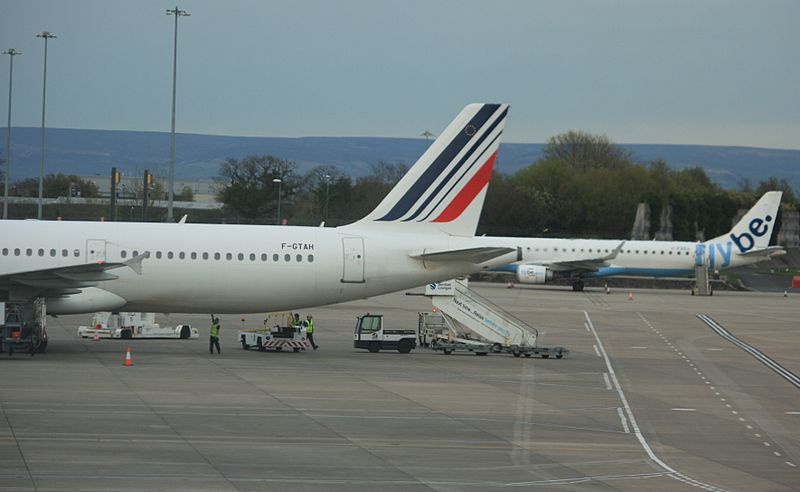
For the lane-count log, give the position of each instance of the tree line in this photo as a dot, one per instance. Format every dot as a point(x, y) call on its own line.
point(583, 186)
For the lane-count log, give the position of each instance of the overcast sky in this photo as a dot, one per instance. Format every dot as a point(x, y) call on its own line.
point(675, 71)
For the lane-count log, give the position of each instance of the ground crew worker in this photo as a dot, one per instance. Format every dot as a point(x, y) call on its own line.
point(214, 338)
point(297, 319)
point(309, 324)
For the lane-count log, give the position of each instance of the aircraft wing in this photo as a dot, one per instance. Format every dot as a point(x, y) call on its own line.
point(765, 252)
point(582, 264)
point(65, 280)
point(468, 255)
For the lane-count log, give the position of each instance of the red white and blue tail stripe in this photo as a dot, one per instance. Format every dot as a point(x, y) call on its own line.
point(446, 187)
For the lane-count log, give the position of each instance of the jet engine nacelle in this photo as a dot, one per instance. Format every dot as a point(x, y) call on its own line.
point(89, 300)
point(533, 274)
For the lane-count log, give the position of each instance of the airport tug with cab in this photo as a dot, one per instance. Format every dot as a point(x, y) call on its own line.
point(371, 334)
point(279, 332)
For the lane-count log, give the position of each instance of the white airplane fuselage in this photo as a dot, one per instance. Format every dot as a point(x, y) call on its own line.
point(228, 268)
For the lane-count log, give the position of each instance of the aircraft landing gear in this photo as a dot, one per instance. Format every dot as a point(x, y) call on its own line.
point(577, 285)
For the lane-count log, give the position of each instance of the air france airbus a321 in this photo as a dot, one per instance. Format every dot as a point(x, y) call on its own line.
point(545, 259)
point(421, 232)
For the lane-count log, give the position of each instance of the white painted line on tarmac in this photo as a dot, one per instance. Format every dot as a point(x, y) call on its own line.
point(716, 349)
point(767, 444)
point(596, 351)
point(776, 453)
point(586, 325)
point(608, 381)
point(684, 409)
point(623, 420)
point(639, 348)
point(673, 473)
point(749, 427)
point(792, 413)
point(757, 435)
point(790, 464)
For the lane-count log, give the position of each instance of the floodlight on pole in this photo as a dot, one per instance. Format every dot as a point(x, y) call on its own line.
point(11, 52)
point(177, 13)
point(327, 192)
point(45, 35)
point(278, 218)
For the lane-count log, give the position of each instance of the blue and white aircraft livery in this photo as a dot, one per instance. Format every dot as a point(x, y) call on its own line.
point(423, 231)
point(545, 259)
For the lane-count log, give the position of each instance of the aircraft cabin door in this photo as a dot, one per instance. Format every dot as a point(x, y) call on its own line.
point(95, 250)
point(353, 249)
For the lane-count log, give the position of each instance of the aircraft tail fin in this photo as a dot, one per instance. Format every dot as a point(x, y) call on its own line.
point(445, 189)
point(755, 230)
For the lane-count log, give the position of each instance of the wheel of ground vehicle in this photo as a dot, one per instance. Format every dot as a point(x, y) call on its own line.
point(404, 346)
point(278, 349)
point(517, 354)
point(186, 332)
point(260, 345)
point(545, 356)
point(374, 347)
point(295, 349)
point(447, 351)
point(126, 334)
point(245, 345)
point(527, 355)
point(559, 355)
point(481, 353)
point(497, 348)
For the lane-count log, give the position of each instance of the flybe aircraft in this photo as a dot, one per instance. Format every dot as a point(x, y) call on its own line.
point(546, 259)
point(422, 231)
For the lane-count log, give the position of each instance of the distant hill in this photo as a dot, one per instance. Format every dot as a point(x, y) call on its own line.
point(91, 152)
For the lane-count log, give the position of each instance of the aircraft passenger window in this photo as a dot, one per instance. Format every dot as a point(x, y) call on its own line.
point(5, 251)
point(581, 250)
point(217, 256)
point(637, 251)
point(670, 252)
point(29, 252)
point(16, 251)
point(687, 253)
point(52, 252)
point(64, 252)
point(135, 253)
point(529, 248)
point(182, 255)
point(645, 251)
point(252, 257)
point(263, 257)
point(299, 258)
point(76, 253)
point(275, 257)
point(228, 256)
point(590, 250)
point(170, 255)
point(41, 252)
point(205, 256)
point(662, 252)
point(628, 251)
point(158, 255)
point(240, 256)
point(194, 255)
point(287, 257)
point(311, 258)
point(555, 249)
point(123, 253)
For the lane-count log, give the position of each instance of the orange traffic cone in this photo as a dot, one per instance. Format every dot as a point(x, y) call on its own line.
point(128, 359)
point(630, 296)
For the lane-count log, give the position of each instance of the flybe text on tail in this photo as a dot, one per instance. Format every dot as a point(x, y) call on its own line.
point(753, 232)
point(756, 228)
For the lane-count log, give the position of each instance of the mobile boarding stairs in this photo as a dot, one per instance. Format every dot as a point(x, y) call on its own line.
point(497, 330)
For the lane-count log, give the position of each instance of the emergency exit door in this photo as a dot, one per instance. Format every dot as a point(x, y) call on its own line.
point(95, 250)
point(353, 249)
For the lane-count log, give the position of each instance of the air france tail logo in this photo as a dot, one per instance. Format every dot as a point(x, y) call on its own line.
point(757, 227)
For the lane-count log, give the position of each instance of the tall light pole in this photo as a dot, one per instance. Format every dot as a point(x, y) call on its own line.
point(177, 13)
point(278, 218)
point(45, 35)
point(11, 52)
point(327, 192)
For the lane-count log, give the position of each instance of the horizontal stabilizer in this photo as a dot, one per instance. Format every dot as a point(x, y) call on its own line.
point(469, 255)
point(765, 252)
